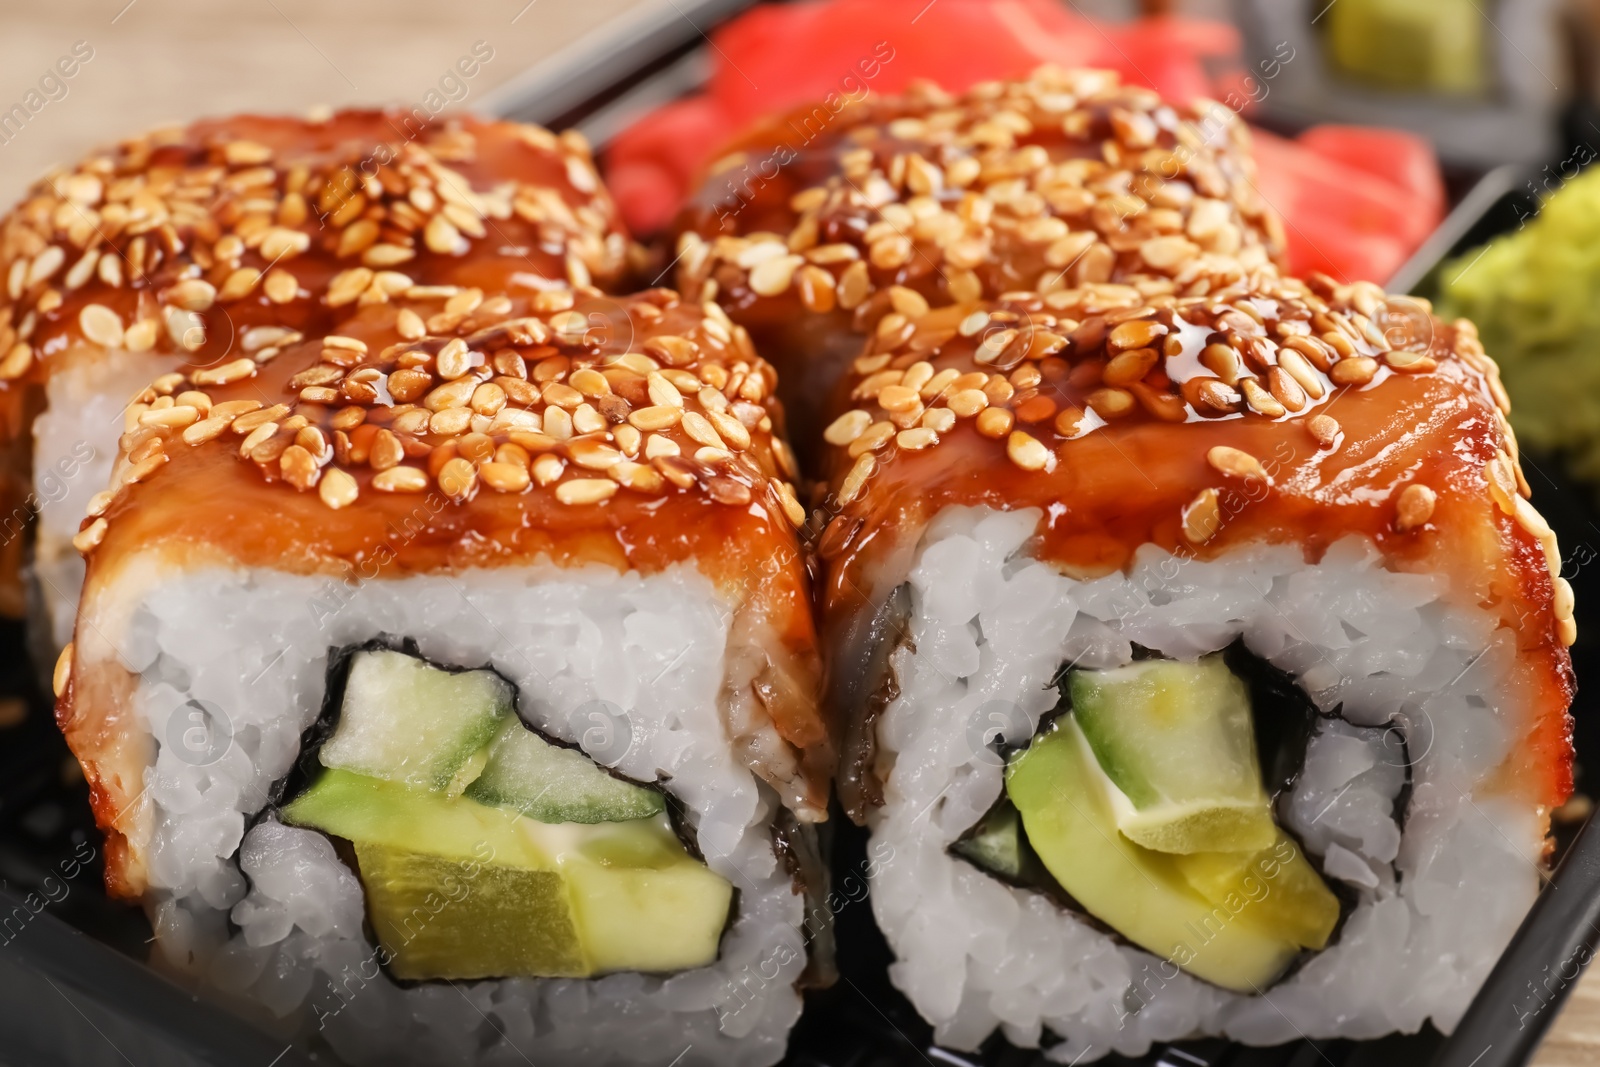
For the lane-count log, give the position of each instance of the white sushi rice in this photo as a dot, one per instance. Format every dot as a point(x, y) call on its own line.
point(74, 448)
point(989, 629)
point(251, 647)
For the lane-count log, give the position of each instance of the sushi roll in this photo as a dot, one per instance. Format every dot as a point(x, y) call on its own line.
point(194, 248)
point(818, 225)
point(450, 695)
point(1200, 659)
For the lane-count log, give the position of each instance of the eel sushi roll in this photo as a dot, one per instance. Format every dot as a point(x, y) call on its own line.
point(818, 225)
point(450, 694)
point(1202, 662)
point(204, 248)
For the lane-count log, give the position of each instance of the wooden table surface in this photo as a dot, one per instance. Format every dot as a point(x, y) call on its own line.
point(155, 61)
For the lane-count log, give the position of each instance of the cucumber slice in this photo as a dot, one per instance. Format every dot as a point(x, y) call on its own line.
point(404, 720)
point(1177, 740)
point(549, 783)
point(995, 844)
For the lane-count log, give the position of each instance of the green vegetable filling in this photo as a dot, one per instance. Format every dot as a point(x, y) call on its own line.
point(487, 851)
point(1145, 807)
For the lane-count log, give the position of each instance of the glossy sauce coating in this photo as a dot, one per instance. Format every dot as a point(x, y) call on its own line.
point(1273, 412)
point(1067, 178)
point(508, 431)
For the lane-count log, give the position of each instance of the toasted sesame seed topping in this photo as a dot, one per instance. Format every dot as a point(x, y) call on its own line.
point(1325, 429)
point(63, 671)
point(1202, 517)
point(1083, 360)
point(1414, 507)
point(201, 217)
point(1001, 182)
point(1236, 463)
point(502, 400)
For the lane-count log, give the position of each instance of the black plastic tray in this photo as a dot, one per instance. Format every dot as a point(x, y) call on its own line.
point(73, 989)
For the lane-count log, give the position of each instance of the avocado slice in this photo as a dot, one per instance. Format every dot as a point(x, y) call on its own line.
point(404, 720)
point(1068, 815)
point(439, 917)
point(459, 889)
point(1280, 888)
point(543, 781)
point(1177, 741)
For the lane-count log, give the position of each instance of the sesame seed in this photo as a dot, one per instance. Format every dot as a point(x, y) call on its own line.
point(299, 468)
point(453, 360)
point(505, 477)
point(280, 243)
point(774, 276)
point(1224, 362)
point(1131, 366)
point(45, 265)
point(968, 402)
point(995, 422)
point(237, 370)
point(87, 539)
point(174, 417)
point(280, 286)
point(1139, 333)
point(387, 255)
point(791, 506)
point(63, 671)
point(856, 479)
point(457, 478)
point(701, 430)
point(1110, 403)
point(245, 153)
point(1409, 362)
point(1026, 451)
point(1353, 370)
point(337, 489)
point(898, 398)
point(854, 286)
point(1260, 400)
point(1562, 602)
point(1202, 517)
point(586, 419)
point(16, 362)
point(400, 480)
point(676, 470)
point(1414, 507)
point(101, 325)
point(586, 491)
point(847, 427)
point(732, 430)
point(193, 294)
point(1295, 365)
point(1325, 429)
point(450, 421)
point(595, 455)
point(1503, 487)
point(1167, 254)
point(1285, 389)
point(1235, 463)
point(872, 438)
